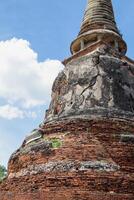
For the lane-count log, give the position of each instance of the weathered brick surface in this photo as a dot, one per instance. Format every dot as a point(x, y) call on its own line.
point(82, 140)
point(68, 195)
point(96, 141)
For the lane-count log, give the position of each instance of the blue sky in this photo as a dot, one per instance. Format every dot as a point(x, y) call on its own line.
point(42, 32)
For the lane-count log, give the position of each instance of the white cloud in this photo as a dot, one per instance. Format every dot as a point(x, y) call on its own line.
point(24, 81)
point(12, 112)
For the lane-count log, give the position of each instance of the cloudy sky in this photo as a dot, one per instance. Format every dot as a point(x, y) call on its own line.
point(34, 37)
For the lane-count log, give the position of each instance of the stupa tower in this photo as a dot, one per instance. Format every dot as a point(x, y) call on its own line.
point(98, 25)
point(84, 149)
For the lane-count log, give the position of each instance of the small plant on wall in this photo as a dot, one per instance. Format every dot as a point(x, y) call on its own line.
point(56, 142)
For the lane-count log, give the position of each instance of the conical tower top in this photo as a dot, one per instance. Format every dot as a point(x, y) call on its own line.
point(98, 14)
point(98, 24)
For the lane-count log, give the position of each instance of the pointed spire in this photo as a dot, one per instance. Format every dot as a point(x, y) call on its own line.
point(98, 13)
point(98, 24)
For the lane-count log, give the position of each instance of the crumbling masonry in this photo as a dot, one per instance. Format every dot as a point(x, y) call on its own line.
point(84, 149)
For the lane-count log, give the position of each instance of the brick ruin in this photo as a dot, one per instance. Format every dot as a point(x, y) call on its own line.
point(84, 149)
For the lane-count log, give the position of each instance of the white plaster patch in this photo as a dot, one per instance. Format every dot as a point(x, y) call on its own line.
point(68, 96)
point(97, 88)
point(78, 89)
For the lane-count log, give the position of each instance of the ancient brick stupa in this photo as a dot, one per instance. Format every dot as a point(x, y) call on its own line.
point(84, 149)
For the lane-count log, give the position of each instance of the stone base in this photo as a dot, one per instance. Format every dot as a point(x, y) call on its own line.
point(75, 159)
point(66, 195)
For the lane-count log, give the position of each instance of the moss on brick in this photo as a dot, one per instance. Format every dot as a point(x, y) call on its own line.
point(56, 142)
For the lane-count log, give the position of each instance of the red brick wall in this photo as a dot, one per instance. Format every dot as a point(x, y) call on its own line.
point(82, 140)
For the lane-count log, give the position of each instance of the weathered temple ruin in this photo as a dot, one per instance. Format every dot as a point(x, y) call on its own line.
point(84, 149)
